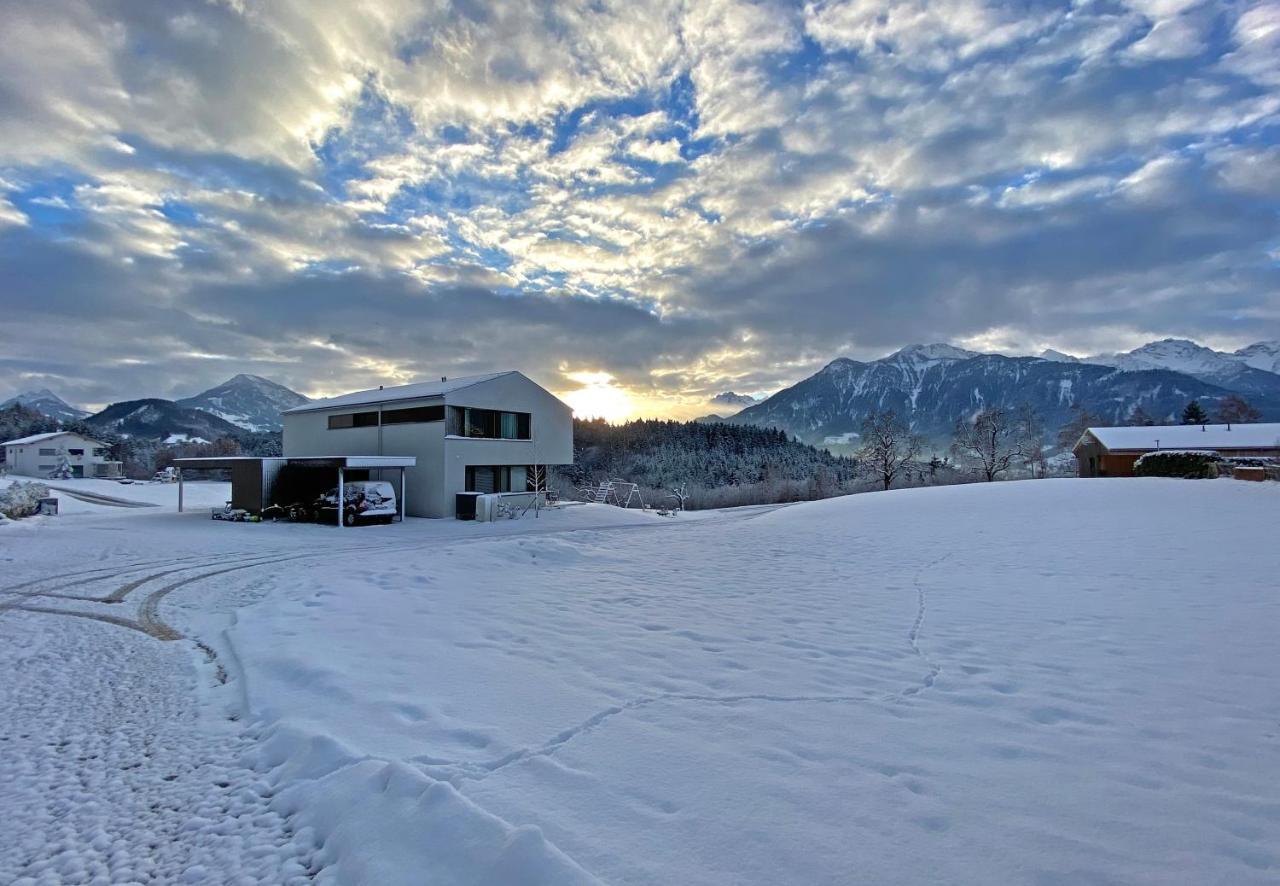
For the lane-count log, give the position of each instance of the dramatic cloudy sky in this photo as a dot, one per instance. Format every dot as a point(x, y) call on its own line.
point(657, 201)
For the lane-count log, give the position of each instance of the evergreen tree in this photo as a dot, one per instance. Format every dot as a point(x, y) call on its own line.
point(1194, 414)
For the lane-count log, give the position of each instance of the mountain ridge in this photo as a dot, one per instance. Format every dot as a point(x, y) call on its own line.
point(934, 385)
point(250, 402)
point(48, 403)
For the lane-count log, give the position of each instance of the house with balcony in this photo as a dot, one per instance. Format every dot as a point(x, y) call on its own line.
point(59, 454)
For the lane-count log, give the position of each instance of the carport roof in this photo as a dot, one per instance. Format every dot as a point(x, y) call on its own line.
point(310, 461)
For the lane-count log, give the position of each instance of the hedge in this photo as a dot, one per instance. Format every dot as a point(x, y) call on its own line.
point(1192, 464)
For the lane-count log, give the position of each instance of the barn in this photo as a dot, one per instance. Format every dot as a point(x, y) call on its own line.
point(1112, 452)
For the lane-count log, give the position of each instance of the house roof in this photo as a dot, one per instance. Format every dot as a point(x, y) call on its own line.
point(417, 391)
point(1146, 439)
point(36, 438)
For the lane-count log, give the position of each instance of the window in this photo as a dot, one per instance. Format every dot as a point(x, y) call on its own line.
point(353, 420)
point(48, 452)
point(488, 424)
point(99, 451)
point(497, 478)
point(75, 451)
point(412, 415)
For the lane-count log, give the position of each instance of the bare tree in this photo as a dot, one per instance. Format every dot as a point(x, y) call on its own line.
point(887, 445)
point(1031, 437)
point(1081, 419)
point(993, 439)
point(1235, 409)
point(1139, 418)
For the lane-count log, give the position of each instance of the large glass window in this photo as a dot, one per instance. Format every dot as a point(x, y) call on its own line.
point(489, 424)
point(48, 452)
point(412, 415)
point(353, 420)
point(497, 478)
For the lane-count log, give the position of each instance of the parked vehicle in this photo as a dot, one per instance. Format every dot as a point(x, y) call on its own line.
point(364, 501)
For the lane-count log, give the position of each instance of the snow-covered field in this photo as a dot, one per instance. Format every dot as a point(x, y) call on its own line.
point(1051, 682)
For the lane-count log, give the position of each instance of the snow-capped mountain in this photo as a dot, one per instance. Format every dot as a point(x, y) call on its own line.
point(933, 387)
point(247, 401)
point(1251, 370)
point(1264, 355)
point(47, 402)
point(729, 398)
point(161, 419)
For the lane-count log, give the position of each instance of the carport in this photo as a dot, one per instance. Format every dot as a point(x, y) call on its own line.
point(254, 479)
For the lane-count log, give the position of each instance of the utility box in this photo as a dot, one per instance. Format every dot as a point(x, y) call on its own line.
point(47, 507)
point(465, 505)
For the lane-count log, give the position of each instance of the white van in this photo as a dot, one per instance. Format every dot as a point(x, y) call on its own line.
point(366, 501)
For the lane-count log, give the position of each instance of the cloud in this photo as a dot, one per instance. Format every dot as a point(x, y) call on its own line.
point(687, 197)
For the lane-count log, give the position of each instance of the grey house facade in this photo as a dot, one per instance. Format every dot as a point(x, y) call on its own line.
point(484, 433)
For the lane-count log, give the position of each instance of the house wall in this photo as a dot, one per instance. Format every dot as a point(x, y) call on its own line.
point(550, 428)
point(442, 461)
point(1089, 454)
point(27, 461)
point(308, 434)
point(1121, 464)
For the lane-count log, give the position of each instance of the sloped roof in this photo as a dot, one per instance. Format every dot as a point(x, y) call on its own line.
point(417, 391)
point(1147, 439)
point(36, 438)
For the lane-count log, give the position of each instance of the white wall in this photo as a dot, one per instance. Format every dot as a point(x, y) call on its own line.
point(27, 460)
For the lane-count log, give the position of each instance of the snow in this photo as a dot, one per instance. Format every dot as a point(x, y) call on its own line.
point(1263, 355)
point(415, 391)
point(198, 495)
point(1059, 681)
point(174, 439)
point(1235, 436)
point(36, 438)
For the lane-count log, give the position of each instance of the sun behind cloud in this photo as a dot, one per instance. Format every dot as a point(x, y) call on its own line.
point(598, 397)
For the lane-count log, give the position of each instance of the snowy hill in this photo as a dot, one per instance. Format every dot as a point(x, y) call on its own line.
point(250, 402)
point(47, 402)
point(1043, 682)
point(934, 388)
point(160, 419)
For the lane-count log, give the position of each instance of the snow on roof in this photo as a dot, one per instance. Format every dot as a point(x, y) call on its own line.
point(36, 438)
point(415, 391)
point(1235, 436)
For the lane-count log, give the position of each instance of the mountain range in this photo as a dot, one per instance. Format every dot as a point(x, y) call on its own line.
point(245, 403)
point(47, 402)
point(934, 385)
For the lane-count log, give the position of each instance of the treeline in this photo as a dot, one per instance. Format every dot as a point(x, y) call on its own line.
point(708, 464)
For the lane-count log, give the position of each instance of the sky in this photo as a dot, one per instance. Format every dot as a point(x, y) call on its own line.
point(640, 205)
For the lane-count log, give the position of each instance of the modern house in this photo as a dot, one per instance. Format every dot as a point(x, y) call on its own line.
point(58, 453)
point(482, 433)
point(1111, 452)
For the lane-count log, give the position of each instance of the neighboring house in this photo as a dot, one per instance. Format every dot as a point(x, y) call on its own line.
point(483, 433)
point(43, 455)
point(1111, 452)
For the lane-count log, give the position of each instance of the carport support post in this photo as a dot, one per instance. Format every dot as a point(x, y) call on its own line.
point(342, 498)
point(402, 495)
point(179, 490)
